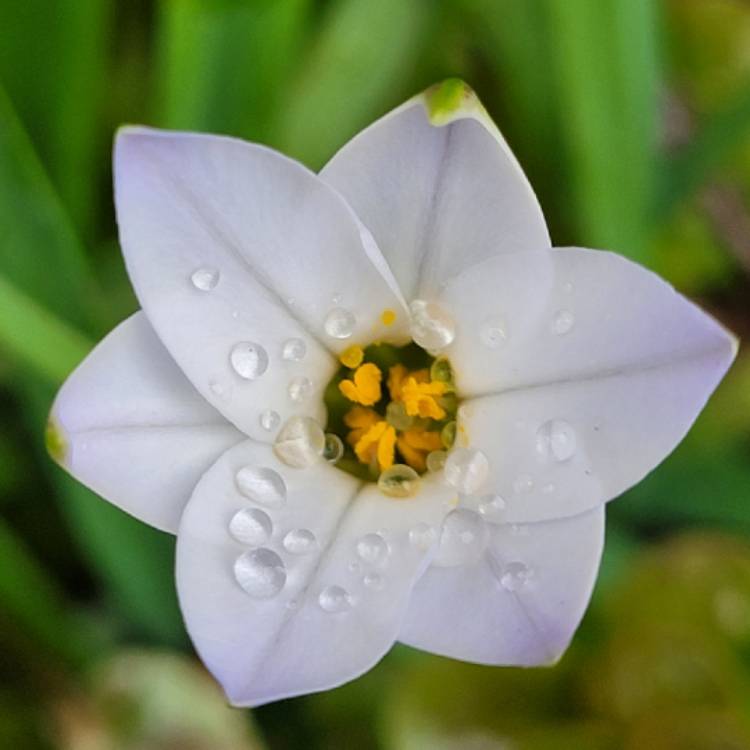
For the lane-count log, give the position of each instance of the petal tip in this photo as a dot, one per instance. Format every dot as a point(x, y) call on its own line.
point(449, 101)
point(55, 440)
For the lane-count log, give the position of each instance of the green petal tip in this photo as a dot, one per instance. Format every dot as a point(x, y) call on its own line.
point(447, 100)
point(55, 442)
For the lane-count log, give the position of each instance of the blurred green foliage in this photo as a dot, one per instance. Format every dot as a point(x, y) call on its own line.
point(632, 118)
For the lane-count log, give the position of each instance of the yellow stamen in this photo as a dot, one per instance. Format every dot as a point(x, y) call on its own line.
point(378, 443)
point(420, 398)
point(396, 376)
point(352, 357)
point(388, 317)
point(365, 388)
point(359, 420)
point(415, 444)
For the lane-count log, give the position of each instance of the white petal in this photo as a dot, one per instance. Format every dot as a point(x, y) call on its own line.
point(287, 250)
point(438, 191)
point(520, 604)
point(263, 649)
point(609, 358)
point(133, 429)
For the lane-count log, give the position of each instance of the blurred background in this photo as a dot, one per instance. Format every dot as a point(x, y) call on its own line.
point(632, 119)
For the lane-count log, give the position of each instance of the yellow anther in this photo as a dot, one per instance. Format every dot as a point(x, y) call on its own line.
point(388, 317)
point(415, 444)
point(352, 357)
point(365, 388)
point(359, 420)
point(377, 444)
point(420, 398)
point(396, 376)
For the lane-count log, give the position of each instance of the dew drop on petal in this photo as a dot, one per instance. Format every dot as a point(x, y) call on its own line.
point(334, 448)
point(373, 549)
point(299, 388)
point(491, 507)
point(264, 486)
point(269, 420)
point(399, 481)
point(563, 322)
point(466, 469)
point(251, 526)
point(462, 539)
point(335, 599)
point(432, 328)
point(522, 484)
point(205, 279)
point(340, 323)
point(514, 575)
point(293, 350)
point(373, 581)
point(493, 332)
point(422, 536)
point(300, 542)
point(436, 460)
point(556, 440)
point(249, 360)
point(300, 442)
point(260, 572)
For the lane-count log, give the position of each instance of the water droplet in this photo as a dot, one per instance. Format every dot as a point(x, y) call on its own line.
point(442, 371)
point(249, 360)
point(556, 439)
point(463, 538)
point(292, 604)
point(436, 460)
point(491, 507)
point(334, 448)
point(448, 434)
point(396, 416)
point(300, 442)
point(431, 326)
point(264, 486)
point(422, 536)
point(339, 323)
point(334, 599)
point(269, 420)
point(514, 575)
point(251, 526)
point(235, 314)
point(217, 388)
point(205, 279)
point(563, 322)
point(354, 566)
point(373, 549)
point(293, 350)
point(399, 481)
point(260, 572)
point(466, 469)
point(493, 332)
point(568, 287)
point(299, 388)
point(300, 542)
point(373, 581)
point(523, 484)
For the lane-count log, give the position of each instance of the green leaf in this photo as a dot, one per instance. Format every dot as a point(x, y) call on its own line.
point(53, 61)
point(358, 67)
point(221, 65)
point(604, 57)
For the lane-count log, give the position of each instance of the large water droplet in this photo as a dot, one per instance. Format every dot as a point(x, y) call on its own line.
point(300, 442)
point(431, 326)
point(466, 469)
point(422, 536)
point(300, 542)
point(249, 360)
point(251, 526)
point(556, 439)
point(493, 332)
point(335, 599)
point(563, 322)
point(340, 323)
point(299, 389)
point(260, 572)
point(334, 448)
point(373, 549)
point(205, 279)
point(263, 485)
point(491, 507)
point(462, 540)
point(293, 350)
point(269, 420)
point(399, 481)
point(436, 460)
point(514, 575)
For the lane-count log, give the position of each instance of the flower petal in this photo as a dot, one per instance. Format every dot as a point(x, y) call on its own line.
point(439, 189)
point(271, 251)
point(520, 604)
point(601, 381)
point(128, 424)
point(287, 643)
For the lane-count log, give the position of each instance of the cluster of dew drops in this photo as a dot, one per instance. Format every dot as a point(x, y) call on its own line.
point(262, 573)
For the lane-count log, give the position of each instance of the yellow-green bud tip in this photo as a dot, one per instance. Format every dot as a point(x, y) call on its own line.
point(55, 442)
point(444, 101)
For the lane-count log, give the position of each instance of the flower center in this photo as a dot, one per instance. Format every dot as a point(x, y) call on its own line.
point(394, 410)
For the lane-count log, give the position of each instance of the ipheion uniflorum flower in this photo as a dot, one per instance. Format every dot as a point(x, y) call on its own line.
point(373, 403)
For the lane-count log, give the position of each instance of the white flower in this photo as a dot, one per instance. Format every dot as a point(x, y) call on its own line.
point(576, 373)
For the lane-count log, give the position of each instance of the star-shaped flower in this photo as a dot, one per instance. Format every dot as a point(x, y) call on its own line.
point(483, 396)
